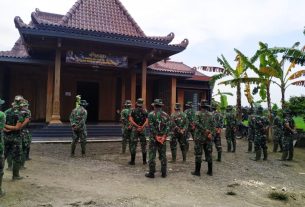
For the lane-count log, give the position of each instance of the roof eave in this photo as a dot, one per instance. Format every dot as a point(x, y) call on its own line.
point(25, 60)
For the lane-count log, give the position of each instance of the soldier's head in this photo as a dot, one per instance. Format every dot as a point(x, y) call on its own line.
point(189, 104)
point(157, 103)
point(140, 102)
point(83, 103)
point(259, 110)
point(204, 105)
point(177, 107)
point(17, 101)
point(24, 104)
point(127, 104)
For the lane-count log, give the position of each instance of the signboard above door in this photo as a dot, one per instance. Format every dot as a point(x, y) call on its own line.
point(91, 58)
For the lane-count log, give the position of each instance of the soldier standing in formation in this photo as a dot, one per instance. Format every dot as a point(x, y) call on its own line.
point(289, 131)
point(25, 133)
point(190, 114)
point(218, 119)
point(158, 122)
point(12, 136)
point(138, 119)
point(179, 126)
point(231, 124)
point(261, 125)
point(278, 132)
point(78, 118)
point(250, 130)
point(204, 133)
point(126, 125)
point(2, 124)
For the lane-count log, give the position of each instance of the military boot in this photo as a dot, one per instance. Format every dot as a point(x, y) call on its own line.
point(73, 146)
point(9, 163)
point(265, 152)
point(2, 193)
point(16, 168)
point(184, 155)
point(284, 156)
point(83, 146)
point(290, 155)
point(150, 174)
point(281, 147)
point(197, 169)
point(163, 171)
point(219, 156)
point(250, 146)
point(132, 160)
point(275, 146)
point(234, 146)
point(124, 146)
point(144, 158)
point(27, 157)
point(174, 156)
point(257, 155)
point(210, 169)
point(229, 147)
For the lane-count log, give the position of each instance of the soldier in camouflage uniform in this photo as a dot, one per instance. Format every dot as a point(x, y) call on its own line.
point(12, 136)
point(250, 131)
point(179, 126)
point(218, 119)
point(278, 132)
point(190, 114)
point(138, 119)
point(126, 125)
point(25, 133)
point(159, 123)
point(289, 131)
point(231, 126)
point(261, 125)
point(78, 118)
point(2, 124)
point(204, 133)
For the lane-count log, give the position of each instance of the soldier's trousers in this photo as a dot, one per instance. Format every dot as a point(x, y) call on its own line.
point(26, 141)
point(181, 138)
point(125, 138)
point(134, 138)
point(260, 143)
point(188, 133)
point(200, 146)
point(277, 141)
point(153, 147)
point(250, 140)
point(288, 147)
point(1, 160)
point(217, 141)
point(13, 148)
point(231, 140)
point(79, 136)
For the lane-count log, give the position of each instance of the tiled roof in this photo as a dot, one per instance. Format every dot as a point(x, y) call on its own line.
point(18, 51)
point(198, 76)
point(171, 67)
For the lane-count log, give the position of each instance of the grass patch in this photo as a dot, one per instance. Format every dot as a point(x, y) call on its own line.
point(299, 122)
point(232, 193)
point(278, 196)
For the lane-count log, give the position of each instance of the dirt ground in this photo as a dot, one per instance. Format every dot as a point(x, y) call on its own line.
point(104, 178)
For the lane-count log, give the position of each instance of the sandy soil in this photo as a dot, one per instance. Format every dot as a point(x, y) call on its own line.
point(104, 178)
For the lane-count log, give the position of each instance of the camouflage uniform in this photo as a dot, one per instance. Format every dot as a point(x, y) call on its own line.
point(190, 114)
point(261, 124)
point(25, 133)
point(2, 124)
point(179, 126)
point(288, 147)
point(250, 132)
point(13, 140)
point(231, 124)
point(159, 123)
point(139, 116)
point(126, 126)
point(78, 118)
point(204, 133)
point(278, 133)
point(218, 120)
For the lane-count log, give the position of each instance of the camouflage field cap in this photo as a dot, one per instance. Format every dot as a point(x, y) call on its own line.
point(157, 102)
point(189, 104)
point(140, 102)
point(24, 103)
point(1, 101)
point(127, 103)
point(229, 108)
point(83, 103)
point(177, 106)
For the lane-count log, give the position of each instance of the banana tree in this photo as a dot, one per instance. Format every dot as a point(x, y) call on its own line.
point(223, 99)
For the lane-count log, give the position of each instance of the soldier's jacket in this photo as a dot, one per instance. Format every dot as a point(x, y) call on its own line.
point(78, 118)
point(179, 121)
point(278, 127)
point(260, 124)
point(124, 118)
point(2, 124)
point(291, 123)
point(159, 123)
point(190, 114)
point(139, 115)
point(204, 121)
point(13, 116)
point(26, 114)
point(218, 119)
point(231, 122)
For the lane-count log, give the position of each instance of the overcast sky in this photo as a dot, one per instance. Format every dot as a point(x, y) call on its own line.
point(213, 27)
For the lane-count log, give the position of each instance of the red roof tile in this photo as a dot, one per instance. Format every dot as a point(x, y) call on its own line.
point(172, 67)
point(198, 76)
point(18, 51)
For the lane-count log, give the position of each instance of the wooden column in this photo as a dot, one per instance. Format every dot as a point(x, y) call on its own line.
point(55, 118)
point(50, 87)
point(181, 97)
point(133, 84)
point(173, 93)
point(123, 89)
point(144, 77)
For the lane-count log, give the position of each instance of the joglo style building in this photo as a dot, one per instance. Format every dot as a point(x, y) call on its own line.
point(97, 50)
